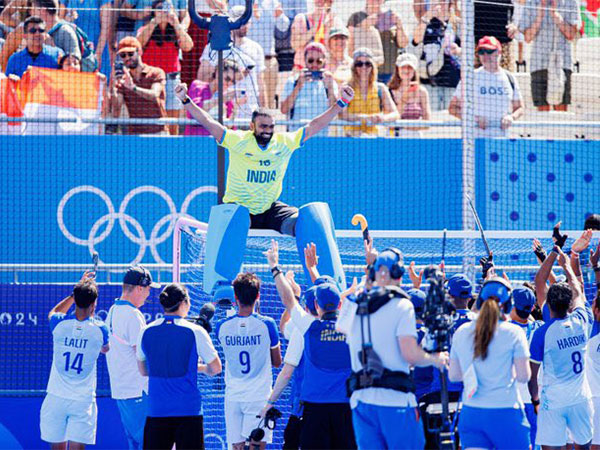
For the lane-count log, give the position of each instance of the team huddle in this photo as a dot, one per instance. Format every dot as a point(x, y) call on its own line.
point(520, 381)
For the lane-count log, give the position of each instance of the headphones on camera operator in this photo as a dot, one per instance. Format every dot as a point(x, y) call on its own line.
point(499, 288)
point(373, 373)
point(397, 269)
point(258, 434)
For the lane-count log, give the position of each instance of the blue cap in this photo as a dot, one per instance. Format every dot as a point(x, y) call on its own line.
point(324, 279)
point(417, 297)
point(224, 292)
point(496, 287)
point(309, 299)
point(328, 296)
point(523, 299)
point(460, 286)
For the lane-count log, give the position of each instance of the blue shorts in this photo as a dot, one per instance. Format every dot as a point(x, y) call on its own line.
point(499, 428)
point(133, 416)
point(387, 427)
point(532, 419)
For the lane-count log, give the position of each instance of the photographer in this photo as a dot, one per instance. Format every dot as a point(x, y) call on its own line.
point(382, 337)
point(313, 91)
point(485, 355)
point(168, 352)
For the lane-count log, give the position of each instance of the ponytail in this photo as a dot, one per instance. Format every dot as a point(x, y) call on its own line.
point(487, 321)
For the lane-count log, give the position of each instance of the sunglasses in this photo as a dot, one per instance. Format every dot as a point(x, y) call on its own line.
point(36, 30)
point(486, 51)
point(312, 61)
point(127, 54)
point(363, 63)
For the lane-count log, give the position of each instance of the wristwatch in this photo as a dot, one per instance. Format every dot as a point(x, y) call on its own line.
point(186, 101)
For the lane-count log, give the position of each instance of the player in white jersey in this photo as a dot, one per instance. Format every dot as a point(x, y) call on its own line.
point(559, 346)
point(69, 410)
point(251, 346)
point(593, 352)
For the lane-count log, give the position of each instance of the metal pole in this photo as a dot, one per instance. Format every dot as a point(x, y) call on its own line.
point(220, 150)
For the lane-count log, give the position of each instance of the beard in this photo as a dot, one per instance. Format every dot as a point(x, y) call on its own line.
point(263, 139)
point(133, 63)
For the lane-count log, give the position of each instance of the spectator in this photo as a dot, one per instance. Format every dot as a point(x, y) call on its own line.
point(64, 37)
point(36, 53)
point(314, 26)
point(268, 18)
point(391, 34)
point(142, 87)
point(363, 34)
point(143, 12)
point(191, 59)
point(551, 31)
point(249, 55)
point(205, 96)
point(340, 63)
point(373, 103)
point(283, 41)
point(11, 21)
point(493, 19)
point(498, 101)
point(437, 47)
point(410, 97)
point(94, 17)
point(162, 38)
point(313, 90)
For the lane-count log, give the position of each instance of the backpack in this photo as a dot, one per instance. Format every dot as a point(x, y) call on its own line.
point(89, 62)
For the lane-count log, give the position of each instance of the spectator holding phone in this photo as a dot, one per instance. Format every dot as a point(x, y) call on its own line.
point(162, 38)
point(410, 97)
point(141, 87)
point(313, 90)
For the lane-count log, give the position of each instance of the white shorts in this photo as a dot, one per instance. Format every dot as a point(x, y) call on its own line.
point(596, 437)
point(552, 425)
point(63, 420)
point(241, 418)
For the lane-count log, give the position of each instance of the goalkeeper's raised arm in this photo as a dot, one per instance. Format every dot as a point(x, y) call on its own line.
point(206, 120)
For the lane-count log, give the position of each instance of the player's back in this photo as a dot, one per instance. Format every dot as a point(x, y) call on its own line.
point(246, 342)
point(76, 345)
point(560, 345)
point(593, 361)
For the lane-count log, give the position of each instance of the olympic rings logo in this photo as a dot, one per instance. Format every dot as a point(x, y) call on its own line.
point(125, 220)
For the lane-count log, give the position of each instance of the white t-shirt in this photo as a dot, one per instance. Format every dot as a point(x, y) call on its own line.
point(247, 342)
point(295, 349)
point(249, 55)
point(398, 316)
point(593, 361)
point(493, 99)
point(125, 323)
point(76, 346)
point(497, 386)
point(202, 7)
point(560, 346)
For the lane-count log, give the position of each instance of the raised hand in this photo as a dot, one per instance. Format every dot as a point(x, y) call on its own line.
point(311, 259)
point(582, 242)
point(181, 91)
point(558, 238)
point(539, 251)
point(415, 277)
point(273, 254)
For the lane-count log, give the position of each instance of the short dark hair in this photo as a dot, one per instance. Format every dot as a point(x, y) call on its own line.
point(246, 287)
point(592, 222)
point(559, 299)
point(172, 296)
point(32, 20)
point(85, 293)
point(49, 5)
point(262, 112)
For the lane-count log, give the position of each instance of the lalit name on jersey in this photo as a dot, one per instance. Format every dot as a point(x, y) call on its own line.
point(75, 343)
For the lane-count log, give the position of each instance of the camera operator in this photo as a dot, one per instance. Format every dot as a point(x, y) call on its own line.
point(326, 419)
point(313, 91)
point(382, 337)
point(422, 376)
point(485, 354)
point(168, 352)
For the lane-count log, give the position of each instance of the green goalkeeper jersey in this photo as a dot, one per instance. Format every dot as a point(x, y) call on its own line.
point(255, 174)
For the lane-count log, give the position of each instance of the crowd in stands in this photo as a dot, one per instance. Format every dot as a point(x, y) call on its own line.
point(293, 55)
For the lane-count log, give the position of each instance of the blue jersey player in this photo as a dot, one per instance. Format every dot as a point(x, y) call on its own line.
point(251, 346)
point(559, 347)
point(69, 411)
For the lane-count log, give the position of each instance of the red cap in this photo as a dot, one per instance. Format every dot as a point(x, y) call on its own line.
point(129, 44)
point(489, 43)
